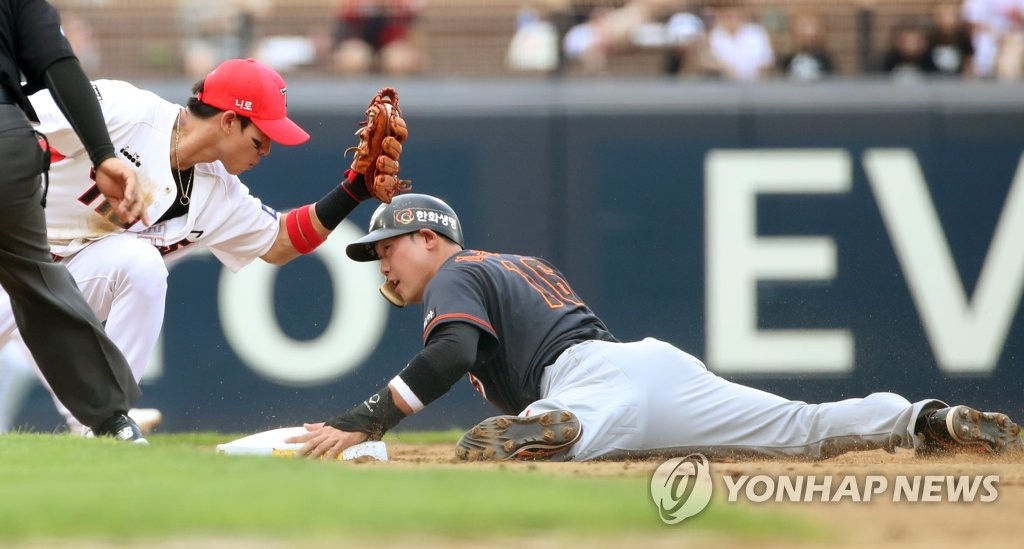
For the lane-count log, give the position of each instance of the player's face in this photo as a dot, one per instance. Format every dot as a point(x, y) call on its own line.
point(244, 148)
point(406, 263)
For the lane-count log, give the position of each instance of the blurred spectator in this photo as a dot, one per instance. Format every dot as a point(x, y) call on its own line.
point(587, 45)
point(374, 36)
point(810, 58)
point(685, 34)
point(566, 14)
point(609, 30)
point(247, 16)
point(217, 31)
point(908, 56)
point(739, 48)
point(950, 46)
point(83, 41)
point(534, 46)
point(996, 27)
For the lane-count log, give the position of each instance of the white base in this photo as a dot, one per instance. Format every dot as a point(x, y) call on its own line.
point(271, 443)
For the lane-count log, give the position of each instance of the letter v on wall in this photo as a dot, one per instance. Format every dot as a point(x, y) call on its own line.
point(966, 333)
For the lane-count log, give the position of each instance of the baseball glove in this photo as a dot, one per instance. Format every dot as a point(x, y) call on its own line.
point(380, 145)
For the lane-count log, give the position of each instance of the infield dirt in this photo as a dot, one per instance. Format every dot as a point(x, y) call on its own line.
point(880, 522)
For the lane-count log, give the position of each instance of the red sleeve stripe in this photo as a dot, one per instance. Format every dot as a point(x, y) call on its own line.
point(461, 316)
point(301, 232)
point(306, 227)
point(295, 233)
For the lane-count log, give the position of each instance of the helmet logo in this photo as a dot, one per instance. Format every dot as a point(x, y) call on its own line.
point(420, 216)
point(404, 217)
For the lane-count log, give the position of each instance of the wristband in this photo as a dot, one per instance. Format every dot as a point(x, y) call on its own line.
point(355, 185)
point(374, 416)
point(335, 206)
point(301, 232)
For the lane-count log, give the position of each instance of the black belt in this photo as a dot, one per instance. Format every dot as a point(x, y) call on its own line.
point(7, 97)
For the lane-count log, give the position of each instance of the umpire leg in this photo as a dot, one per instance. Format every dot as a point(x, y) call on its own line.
point(82, 365)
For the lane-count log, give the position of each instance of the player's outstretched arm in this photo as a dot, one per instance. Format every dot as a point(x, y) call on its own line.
point(373, 173)
point(305, 228)
point(448, 355)
point(301, 232)
point(369, 420)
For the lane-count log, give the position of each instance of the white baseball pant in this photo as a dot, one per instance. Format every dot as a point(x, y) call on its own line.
point(649, 398)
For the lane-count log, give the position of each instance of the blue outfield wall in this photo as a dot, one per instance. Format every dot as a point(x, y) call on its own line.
point(822, 246)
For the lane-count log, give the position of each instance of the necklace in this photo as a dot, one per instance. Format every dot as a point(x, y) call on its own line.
point(185, 188)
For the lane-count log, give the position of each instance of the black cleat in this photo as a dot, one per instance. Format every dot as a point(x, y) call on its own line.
point(964, 429)
point(121, 427)
point(543, 436)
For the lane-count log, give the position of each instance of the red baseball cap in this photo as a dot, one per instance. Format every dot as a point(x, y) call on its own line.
point(255, 91)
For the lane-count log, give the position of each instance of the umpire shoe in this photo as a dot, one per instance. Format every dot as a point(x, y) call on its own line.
point(964, 429)
point(544, 436)
point(121, 427)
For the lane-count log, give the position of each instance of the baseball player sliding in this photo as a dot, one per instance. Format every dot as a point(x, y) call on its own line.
point(188, 161)
point(533, 348)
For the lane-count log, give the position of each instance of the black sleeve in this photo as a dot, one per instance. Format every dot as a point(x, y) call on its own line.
point(38, 41)
point(75, 96)
point(341, 200)
point(450, 352)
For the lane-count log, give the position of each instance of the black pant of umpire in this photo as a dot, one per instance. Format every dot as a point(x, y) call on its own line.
point(85, 369)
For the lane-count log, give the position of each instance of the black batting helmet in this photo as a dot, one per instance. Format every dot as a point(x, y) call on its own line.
point(407, 213)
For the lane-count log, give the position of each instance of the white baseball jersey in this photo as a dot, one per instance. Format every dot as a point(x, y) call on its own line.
point(222, 215)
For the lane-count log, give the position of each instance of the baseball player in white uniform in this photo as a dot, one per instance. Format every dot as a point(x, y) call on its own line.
point(188, 161)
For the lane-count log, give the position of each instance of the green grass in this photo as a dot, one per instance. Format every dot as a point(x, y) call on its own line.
point(61, 487)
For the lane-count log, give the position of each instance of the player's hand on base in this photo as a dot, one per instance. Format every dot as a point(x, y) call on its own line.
point(117, 181)
point(325, 442)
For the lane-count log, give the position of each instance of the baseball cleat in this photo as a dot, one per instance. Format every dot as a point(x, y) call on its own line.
point(542, 436)
point(121, 427)
point(962, 428)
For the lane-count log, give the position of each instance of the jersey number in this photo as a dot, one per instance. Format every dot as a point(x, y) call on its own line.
point(553, 288)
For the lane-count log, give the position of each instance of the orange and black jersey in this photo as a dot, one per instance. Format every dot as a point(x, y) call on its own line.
point(525, 311)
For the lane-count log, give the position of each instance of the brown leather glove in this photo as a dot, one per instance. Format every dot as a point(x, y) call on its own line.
point(380, 145)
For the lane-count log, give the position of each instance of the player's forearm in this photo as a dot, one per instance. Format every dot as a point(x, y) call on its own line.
point(307, 227)
point(374, 416)
point(446, 358)
point(284, 249)
point(448, 355)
